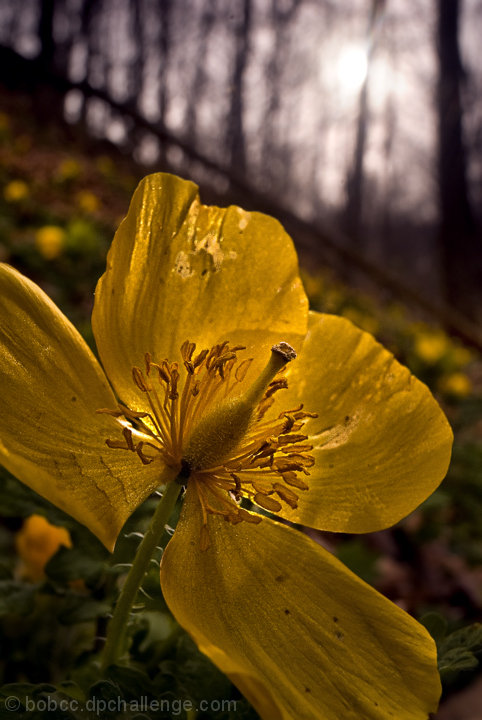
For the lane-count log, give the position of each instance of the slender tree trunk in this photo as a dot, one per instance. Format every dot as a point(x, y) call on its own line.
point(276, 158)
point(87, 26)
point(48, 99)
point(165, 11)
point(198, 87)
point(46, 36)
point(460, 244)
point(356, 176)
point(236, 139)
point(136, 68)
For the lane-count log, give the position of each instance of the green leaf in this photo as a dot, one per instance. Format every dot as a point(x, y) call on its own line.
point(436, 625)
point(24, 690)
point(456, 660)
point(469, 637)
point(358, 558)
point(82, 608)
point(16, 598)
point(457, 651)
point(5, 571)
point(73, 564)
point(135, 682)
point(158, 629)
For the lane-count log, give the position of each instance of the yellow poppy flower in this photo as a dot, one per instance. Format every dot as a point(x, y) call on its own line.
point(87, 201)
point(36, 542)
point(431, 346)
point(69, 169)
point(16, 191)
point(457, 385)
point(341, 438)
point(50, 241)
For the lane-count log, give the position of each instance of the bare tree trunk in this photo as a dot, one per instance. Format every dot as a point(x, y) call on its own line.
point(356, 176)
point(46, 36)
point(236, 139)
point(48, 98)
point(276, 156)
point(198, 87)
point(165, 11)
point(136, 68)
point(460, 245)
point(87, 28)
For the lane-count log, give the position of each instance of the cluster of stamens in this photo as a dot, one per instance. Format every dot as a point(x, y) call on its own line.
point(263, 467)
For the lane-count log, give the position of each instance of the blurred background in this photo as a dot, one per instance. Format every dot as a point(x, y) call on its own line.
point(358, 124)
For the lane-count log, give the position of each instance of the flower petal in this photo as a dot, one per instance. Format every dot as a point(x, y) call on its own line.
point(381, 442)
point(292, 627)
point(51, 437)
point(179, 270)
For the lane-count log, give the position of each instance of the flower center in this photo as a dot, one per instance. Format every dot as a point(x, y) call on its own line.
point(218, 437)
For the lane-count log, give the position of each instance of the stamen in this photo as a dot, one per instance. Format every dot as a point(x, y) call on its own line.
point(286, 494)
point(222, 441)
point(267, 502)
point(139, 380)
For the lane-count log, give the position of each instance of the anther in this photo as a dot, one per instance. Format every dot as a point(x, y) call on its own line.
point(138, 378)
point(267, 502)
point(199, 359)
point(286, 494)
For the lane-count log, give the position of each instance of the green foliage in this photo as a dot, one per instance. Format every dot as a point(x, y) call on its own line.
point(16, 598)
point(166, 677)
point(73, 564)
point(458, 651)
point(359, 558)
point(51, 630)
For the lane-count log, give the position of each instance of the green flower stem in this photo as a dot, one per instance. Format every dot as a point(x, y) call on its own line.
point(117, 627)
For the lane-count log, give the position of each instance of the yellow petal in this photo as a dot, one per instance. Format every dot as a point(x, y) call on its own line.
point(51, 437)
point(381, 442)
point(179, 270)
point(292, 627)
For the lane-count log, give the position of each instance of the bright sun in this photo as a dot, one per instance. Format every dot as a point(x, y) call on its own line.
point(351, 68)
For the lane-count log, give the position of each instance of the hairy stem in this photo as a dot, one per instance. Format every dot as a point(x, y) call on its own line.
point(117, 627)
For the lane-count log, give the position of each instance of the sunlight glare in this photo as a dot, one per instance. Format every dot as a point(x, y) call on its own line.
point(351, 68)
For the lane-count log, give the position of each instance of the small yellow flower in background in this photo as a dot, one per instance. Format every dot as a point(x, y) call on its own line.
point(457, 385)
point(36, 543)
point(462, 356)
point(87, 201)
point(431, 346)
point(16, 191)
point(50, 241)
point(195, 321)
point(68, 169)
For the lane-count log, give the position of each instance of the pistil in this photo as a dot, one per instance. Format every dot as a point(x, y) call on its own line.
point(220, 432)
